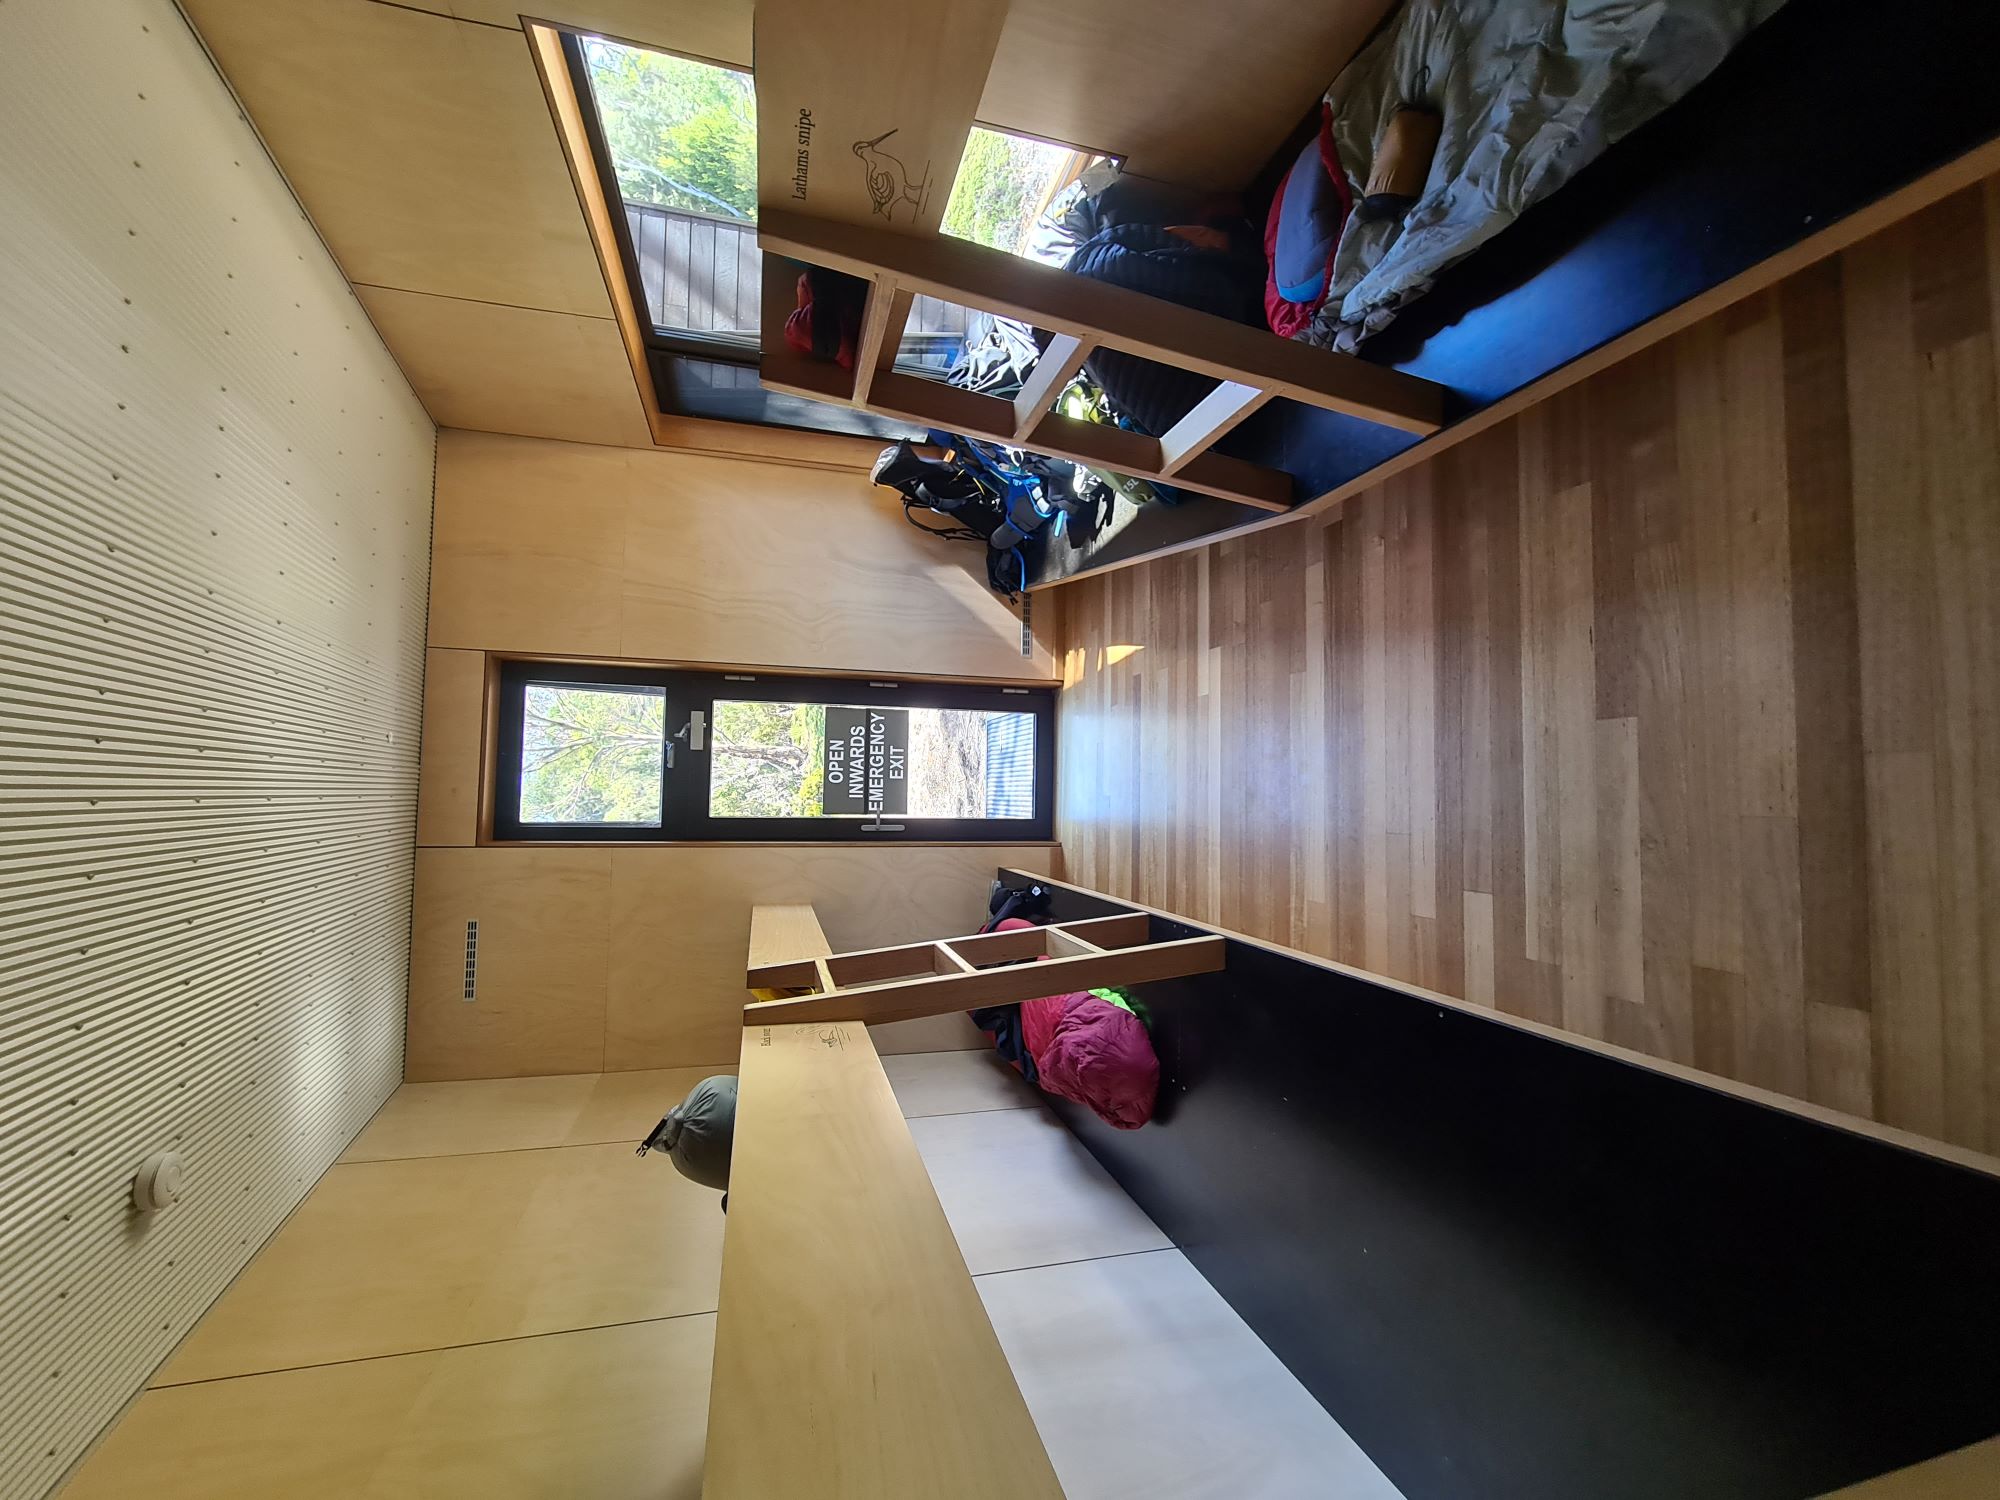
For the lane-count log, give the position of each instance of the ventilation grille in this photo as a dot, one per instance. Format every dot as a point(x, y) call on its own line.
point(471, 960)
point(214, 501)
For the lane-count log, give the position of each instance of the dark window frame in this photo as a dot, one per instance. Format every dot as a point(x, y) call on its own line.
point(723, 351)
point(684, 788)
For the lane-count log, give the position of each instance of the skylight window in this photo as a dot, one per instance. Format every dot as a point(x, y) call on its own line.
point(1004, 182)
point(682, 140)
point(683, 134)
point(676, 139)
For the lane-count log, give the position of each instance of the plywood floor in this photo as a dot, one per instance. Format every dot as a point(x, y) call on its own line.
point(491, 1296)
point(1668, 712)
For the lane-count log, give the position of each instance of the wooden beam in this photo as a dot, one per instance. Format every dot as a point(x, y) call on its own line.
point(936, 404)
point(853, 1357)
point(948, 960)
point(1054, 370)
point(1217, 412)
point(938, 994)
point(881, 329)
point(1115, 316)
point(784, 935)
point(1141, 456)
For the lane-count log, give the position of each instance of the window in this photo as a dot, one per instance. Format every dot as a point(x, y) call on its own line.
point(682, 138)
point(679, 138)
point(593, 753)
point(1004, 182)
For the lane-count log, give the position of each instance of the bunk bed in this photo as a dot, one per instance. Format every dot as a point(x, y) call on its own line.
point(1509, 1261)
point(1761, 167)
point(853, 1357)
point(863, 112)
point(1792, 149)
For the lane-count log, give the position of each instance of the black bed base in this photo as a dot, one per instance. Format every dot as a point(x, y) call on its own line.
point(1516, 1269)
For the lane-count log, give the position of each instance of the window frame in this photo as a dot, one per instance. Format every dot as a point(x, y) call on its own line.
point(683, 342)
point(683, 817)
point(663, 346)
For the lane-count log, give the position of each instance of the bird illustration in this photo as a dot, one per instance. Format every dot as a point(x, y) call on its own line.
point(888, 181)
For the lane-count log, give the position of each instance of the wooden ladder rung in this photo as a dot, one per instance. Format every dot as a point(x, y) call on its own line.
point(1052, 372)
point(935, 994)
point(1221, 409)
point(1068, 945)
point(948, 960)
point(882, 320)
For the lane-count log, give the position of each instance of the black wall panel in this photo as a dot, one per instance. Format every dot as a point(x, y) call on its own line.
point(1515, 1268)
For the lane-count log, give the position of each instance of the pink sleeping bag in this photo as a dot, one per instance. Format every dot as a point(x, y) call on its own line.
point(1093, 1052)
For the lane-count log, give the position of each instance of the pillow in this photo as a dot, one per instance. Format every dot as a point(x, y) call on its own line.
point(1303, 232)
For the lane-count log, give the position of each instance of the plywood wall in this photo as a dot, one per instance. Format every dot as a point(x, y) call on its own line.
point(214, 518)
point(613, 959)
point(1190, 92)
point(573, 549)
point(1663, 713)
point(633, 958)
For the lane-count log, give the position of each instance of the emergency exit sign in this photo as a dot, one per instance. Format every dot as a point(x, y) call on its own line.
point(867, 767)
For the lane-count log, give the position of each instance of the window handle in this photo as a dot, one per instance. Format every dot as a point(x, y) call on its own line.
point(695, 731)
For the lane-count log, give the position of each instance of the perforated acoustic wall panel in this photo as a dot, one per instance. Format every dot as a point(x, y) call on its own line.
point(214, 537)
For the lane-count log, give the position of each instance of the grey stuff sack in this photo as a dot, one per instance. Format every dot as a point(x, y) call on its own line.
point(697, 1132)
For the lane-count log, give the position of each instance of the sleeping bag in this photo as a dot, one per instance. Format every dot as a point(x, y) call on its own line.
point(1166, 262)
point(1090, 1049)
point(1529, 93)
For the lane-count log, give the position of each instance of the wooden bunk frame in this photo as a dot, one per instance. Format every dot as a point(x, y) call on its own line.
point(853, 1357)
point(827, 76)
point(1251, 366)
point(993, 968)
point(845, 1303)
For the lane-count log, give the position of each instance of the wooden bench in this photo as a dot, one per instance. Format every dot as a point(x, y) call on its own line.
point(853, 1357)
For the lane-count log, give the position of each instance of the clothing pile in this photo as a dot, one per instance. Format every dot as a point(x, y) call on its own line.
point(1092, 1047)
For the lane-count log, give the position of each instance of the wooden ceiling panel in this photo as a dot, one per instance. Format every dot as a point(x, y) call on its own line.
point(421, 146)
point(1187, 90)
point(719, 31)
point(511, 369)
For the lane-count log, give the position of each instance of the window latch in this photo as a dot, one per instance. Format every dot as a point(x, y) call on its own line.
point(695, 732)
